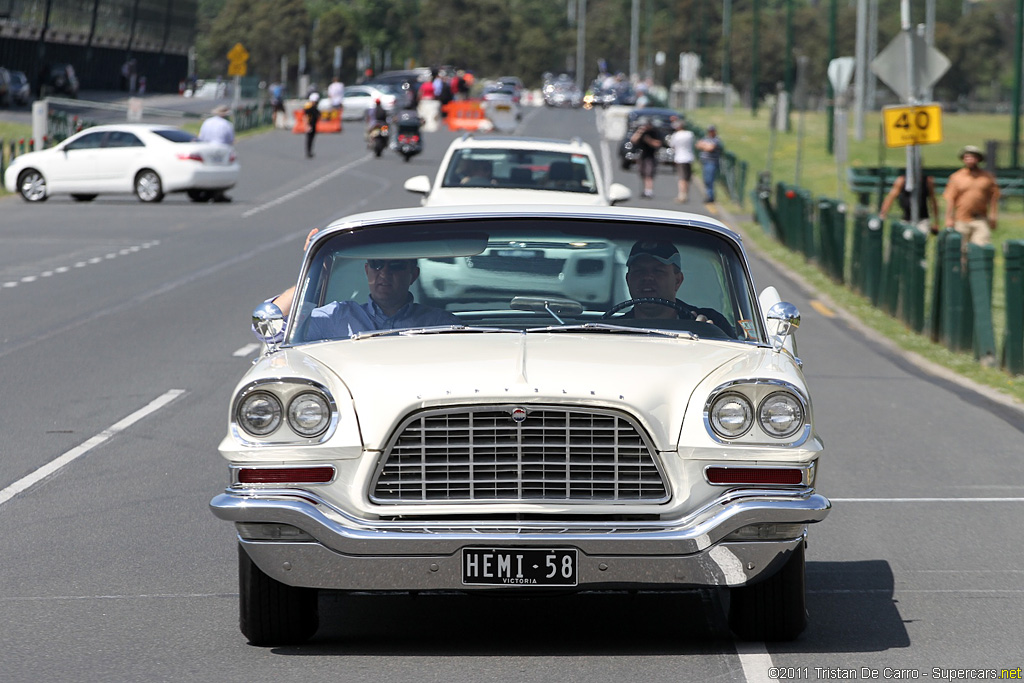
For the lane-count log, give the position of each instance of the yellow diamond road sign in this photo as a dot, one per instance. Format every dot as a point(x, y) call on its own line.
point(237, 57)
point(905, 126)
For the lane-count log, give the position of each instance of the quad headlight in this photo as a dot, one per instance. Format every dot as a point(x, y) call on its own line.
point(781, 416)
point(260, 416)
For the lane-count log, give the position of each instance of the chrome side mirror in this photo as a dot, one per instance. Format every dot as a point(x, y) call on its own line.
point(268, 321)
point(787, 319)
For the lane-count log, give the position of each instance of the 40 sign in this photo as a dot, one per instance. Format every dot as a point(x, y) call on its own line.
point(918, 125)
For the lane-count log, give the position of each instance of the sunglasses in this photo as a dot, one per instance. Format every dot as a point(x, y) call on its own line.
point(395, 266)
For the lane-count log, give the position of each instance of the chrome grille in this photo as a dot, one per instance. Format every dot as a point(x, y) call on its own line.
point(481, 454)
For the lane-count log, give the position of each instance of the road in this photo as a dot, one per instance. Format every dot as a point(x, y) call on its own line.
point(128, 328)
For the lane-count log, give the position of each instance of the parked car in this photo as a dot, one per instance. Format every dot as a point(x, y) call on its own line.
point(662, 120)
point(498, 170)
point(146, 159)
point(21, 89)
point(532, 441)
point(360, 99)
point(58, 79)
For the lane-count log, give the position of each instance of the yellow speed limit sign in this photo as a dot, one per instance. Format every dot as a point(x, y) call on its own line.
point(905, 126)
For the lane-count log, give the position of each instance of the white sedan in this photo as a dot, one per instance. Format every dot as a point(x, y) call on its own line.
point(147, 160)
point(360, 99)
point(518, 170)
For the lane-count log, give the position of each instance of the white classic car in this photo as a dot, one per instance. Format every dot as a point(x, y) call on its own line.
point(517, 434)
point(507, 170)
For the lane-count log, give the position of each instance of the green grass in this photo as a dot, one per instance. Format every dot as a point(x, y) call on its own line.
point(750, 139)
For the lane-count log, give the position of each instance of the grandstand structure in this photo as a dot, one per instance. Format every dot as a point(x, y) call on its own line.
point(101, 39)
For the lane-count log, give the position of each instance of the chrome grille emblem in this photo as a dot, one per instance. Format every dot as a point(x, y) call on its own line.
point(519, 415)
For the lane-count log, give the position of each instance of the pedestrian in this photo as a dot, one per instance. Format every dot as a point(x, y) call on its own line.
point(277, 104)
point(336, 93)
point(710, 147)
point(312, 113)
point(681, 143)
point(647, 141)
point(927, 207)
point(972, 200)
point(217, 128)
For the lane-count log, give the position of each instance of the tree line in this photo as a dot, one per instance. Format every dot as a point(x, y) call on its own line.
point(528, 38)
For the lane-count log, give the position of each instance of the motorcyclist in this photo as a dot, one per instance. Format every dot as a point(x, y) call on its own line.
point(376, 117)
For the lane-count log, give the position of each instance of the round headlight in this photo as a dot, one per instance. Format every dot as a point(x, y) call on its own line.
point(259, 413)
point(781, 414)
point(309, 414)
point(731, 415)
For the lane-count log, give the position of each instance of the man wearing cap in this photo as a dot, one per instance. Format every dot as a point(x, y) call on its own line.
point(218, 129)
point(654, 272)
point(972, 199)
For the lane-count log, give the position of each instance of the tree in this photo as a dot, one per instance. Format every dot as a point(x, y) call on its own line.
point(267, 30)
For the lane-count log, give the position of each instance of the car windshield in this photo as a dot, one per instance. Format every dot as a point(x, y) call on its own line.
point(521, 169)
point(525, 275)
point(175, 135)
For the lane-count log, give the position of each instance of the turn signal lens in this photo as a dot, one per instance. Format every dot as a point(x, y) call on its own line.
point(731, 415)
point(780, 415)
point(781, 476)
point(285, 475)
point(259, 414)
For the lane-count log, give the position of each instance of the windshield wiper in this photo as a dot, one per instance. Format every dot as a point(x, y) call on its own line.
point(410, 331)
point(605, 327)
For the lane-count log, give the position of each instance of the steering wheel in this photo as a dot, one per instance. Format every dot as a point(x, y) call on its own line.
point(643, 300)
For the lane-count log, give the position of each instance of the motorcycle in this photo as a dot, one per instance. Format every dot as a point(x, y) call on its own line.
point(407, 139)
point(377, 138)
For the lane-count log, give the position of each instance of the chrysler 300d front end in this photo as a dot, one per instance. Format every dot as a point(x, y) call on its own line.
point(528, 439)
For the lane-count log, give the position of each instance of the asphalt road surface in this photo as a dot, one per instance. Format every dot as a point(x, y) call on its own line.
point(125, 328)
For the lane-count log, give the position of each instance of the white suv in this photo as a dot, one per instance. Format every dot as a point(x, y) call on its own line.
point(513, 170)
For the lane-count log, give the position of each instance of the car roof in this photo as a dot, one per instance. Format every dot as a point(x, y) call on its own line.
point(599, 213)
point(517, 142)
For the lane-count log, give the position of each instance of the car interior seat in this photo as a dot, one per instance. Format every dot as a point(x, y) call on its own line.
point(561, 176)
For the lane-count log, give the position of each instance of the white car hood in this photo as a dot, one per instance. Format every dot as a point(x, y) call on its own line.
point(650, 377)
point(492, 196)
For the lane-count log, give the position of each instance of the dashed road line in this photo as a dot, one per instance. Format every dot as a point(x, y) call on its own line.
point(245, 350)
point(60, 270)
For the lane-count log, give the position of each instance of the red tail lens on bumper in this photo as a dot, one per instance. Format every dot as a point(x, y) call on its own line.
point(285, 475)
point(194, 156)
point(781, 476)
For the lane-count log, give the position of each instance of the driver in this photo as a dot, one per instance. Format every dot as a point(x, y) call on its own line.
point(390, 305)
point(654, 272)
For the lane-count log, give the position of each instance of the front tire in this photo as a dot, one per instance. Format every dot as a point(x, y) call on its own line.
point(774, 609)
point(32, 186)
point(148, 187)
point(272, 613)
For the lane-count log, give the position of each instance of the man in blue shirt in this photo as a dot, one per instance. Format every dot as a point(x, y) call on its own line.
point(710, 147)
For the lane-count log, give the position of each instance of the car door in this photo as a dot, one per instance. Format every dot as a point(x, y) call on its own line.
point(355, 103)
point(74, 166)
point(122, 154)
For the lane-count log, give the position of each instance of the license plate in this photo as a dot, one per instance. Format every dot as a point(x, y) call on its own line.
point(518, 567)
point(502, 107)
point(518, 253)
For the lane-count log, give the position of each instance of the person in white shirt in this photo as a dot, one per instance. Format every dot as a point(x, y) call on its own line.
point(682, 153)
point(218, 129)
point(336, 93)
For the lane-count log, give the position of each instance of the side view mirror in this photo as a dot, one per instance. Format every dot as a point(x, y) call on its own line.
point(419, 184)
point(268, 321)
point(786, 318)
point(618, 192)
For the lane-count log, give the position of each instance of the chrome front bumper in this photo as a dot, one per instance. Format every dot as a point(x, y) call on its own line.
point(355, 554)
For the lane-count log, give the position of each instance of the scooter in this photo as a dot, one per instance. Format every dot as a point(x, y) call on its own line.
point(408, 142)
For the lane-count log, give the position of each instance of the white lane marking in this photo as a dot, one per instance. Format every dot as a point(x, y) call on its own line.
point(927, 500)
point(246, 350)
point(306, 188)
point(80, 264)
point(49, 468)
point(756, 662)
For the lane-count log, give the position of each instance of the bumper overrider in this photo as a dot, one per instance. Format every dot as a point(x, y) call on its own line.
point(741, 537)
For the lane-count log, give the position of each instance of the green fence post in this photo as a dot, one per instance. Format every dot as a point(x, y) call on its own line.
point(892, 270)
point(872, 260)
point(807, 223)
point(953, 299)
point(825, 209)
point(914, 277)
point(782, 210)
point(979, 276)
point(1013, 341)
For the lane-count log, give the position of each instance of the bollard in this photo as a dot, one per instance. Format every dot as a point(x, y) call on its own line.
point(1013, 340)
point(872, 259)
point(979, 278)
point(893, 269)
point(952, 316)
point(914, 271)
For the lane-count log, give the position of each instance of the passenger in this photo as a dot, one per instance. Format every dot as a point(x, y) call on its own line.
point(654, 272)
point(390, 305)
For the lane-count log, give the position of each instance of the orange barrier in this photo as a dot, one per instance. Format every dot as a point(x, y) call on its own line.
point(330, 122)
point(464, 115)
